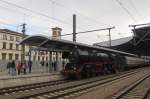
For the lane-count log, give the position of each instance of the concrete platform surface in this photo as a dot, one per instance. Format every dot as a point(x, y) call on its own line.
point(8, 80)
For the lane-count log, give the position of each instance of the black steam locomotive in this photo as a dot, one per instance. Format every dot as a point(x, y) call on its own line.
point(87, 63)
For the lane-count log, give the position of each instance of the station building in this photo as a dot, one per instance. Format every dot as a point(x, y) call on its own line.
point(11, 50)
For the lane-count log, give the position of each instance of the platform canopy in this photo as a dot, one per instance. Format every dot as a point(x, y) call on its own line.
point(65, 45)
point(139, 44)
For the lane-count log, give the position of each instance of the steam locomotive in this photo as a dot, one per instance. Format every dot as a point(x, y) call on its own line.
point(87, 63)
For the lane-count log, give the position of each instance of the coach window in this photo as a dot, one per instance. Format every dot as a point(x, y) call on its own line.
point(3, 56)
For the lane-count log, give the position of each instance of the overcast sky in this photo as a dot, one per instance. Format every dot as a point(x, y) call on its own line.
point(42, 15)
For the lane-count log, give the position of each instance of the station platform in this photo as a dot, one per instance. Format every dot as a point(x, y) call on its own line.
point(7, 80)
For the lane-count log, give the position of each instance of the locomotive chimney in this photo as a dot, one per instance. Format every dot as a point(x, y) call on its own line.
point(56, 33)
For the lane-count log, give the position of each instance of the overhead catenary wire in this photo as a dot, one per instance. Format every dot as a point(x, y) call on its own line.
point(17, 26)
point(31, 11)
point(134, 7)
point(39, 13)
point(27, 9)
point(88, 31)
point(127, 11)
point(35, 12)
point(18, 12)
point(77, 12)
point(8, 24)
point(10, 10)
point(67, 9)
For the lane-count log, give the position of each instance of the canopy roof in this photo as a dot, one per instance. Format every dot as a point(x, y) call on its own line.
point(65, 45)
point(115, 42)
point(139, 44)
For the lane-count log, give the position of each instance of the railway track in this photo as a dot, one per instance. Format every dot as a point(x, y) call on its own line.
point(15, 89)
point(138, 90)
point(76, 88)
point(61, 89)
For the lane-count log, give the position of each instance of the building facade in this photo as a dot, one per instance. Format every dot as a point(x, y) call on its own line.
point(9, 45)
point(11, 50)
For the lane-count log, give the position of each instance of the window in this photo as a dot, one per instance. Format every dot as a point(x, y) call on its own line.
point(4, 45)
point(17, 39)
point(10, 46)
point(54, 33)
point(4, 37)
point(3, 56)
point(10, 56)
point(16, 56)
point(11, 38)
point(17, 47)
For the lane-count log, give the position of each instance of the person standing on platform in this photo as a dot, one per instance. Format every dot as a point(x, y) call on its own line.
point(52, 66)
point(19, 67)
point(63, 64)
point(30, 65)
point(8, 66)
point(46, 66)
point(24, 66)
point(42, 64)
point(55, 69)
point(13, 68)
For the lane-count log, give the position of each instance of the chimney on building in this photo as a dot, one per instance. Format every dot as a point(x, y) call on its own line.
point(56, 33)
